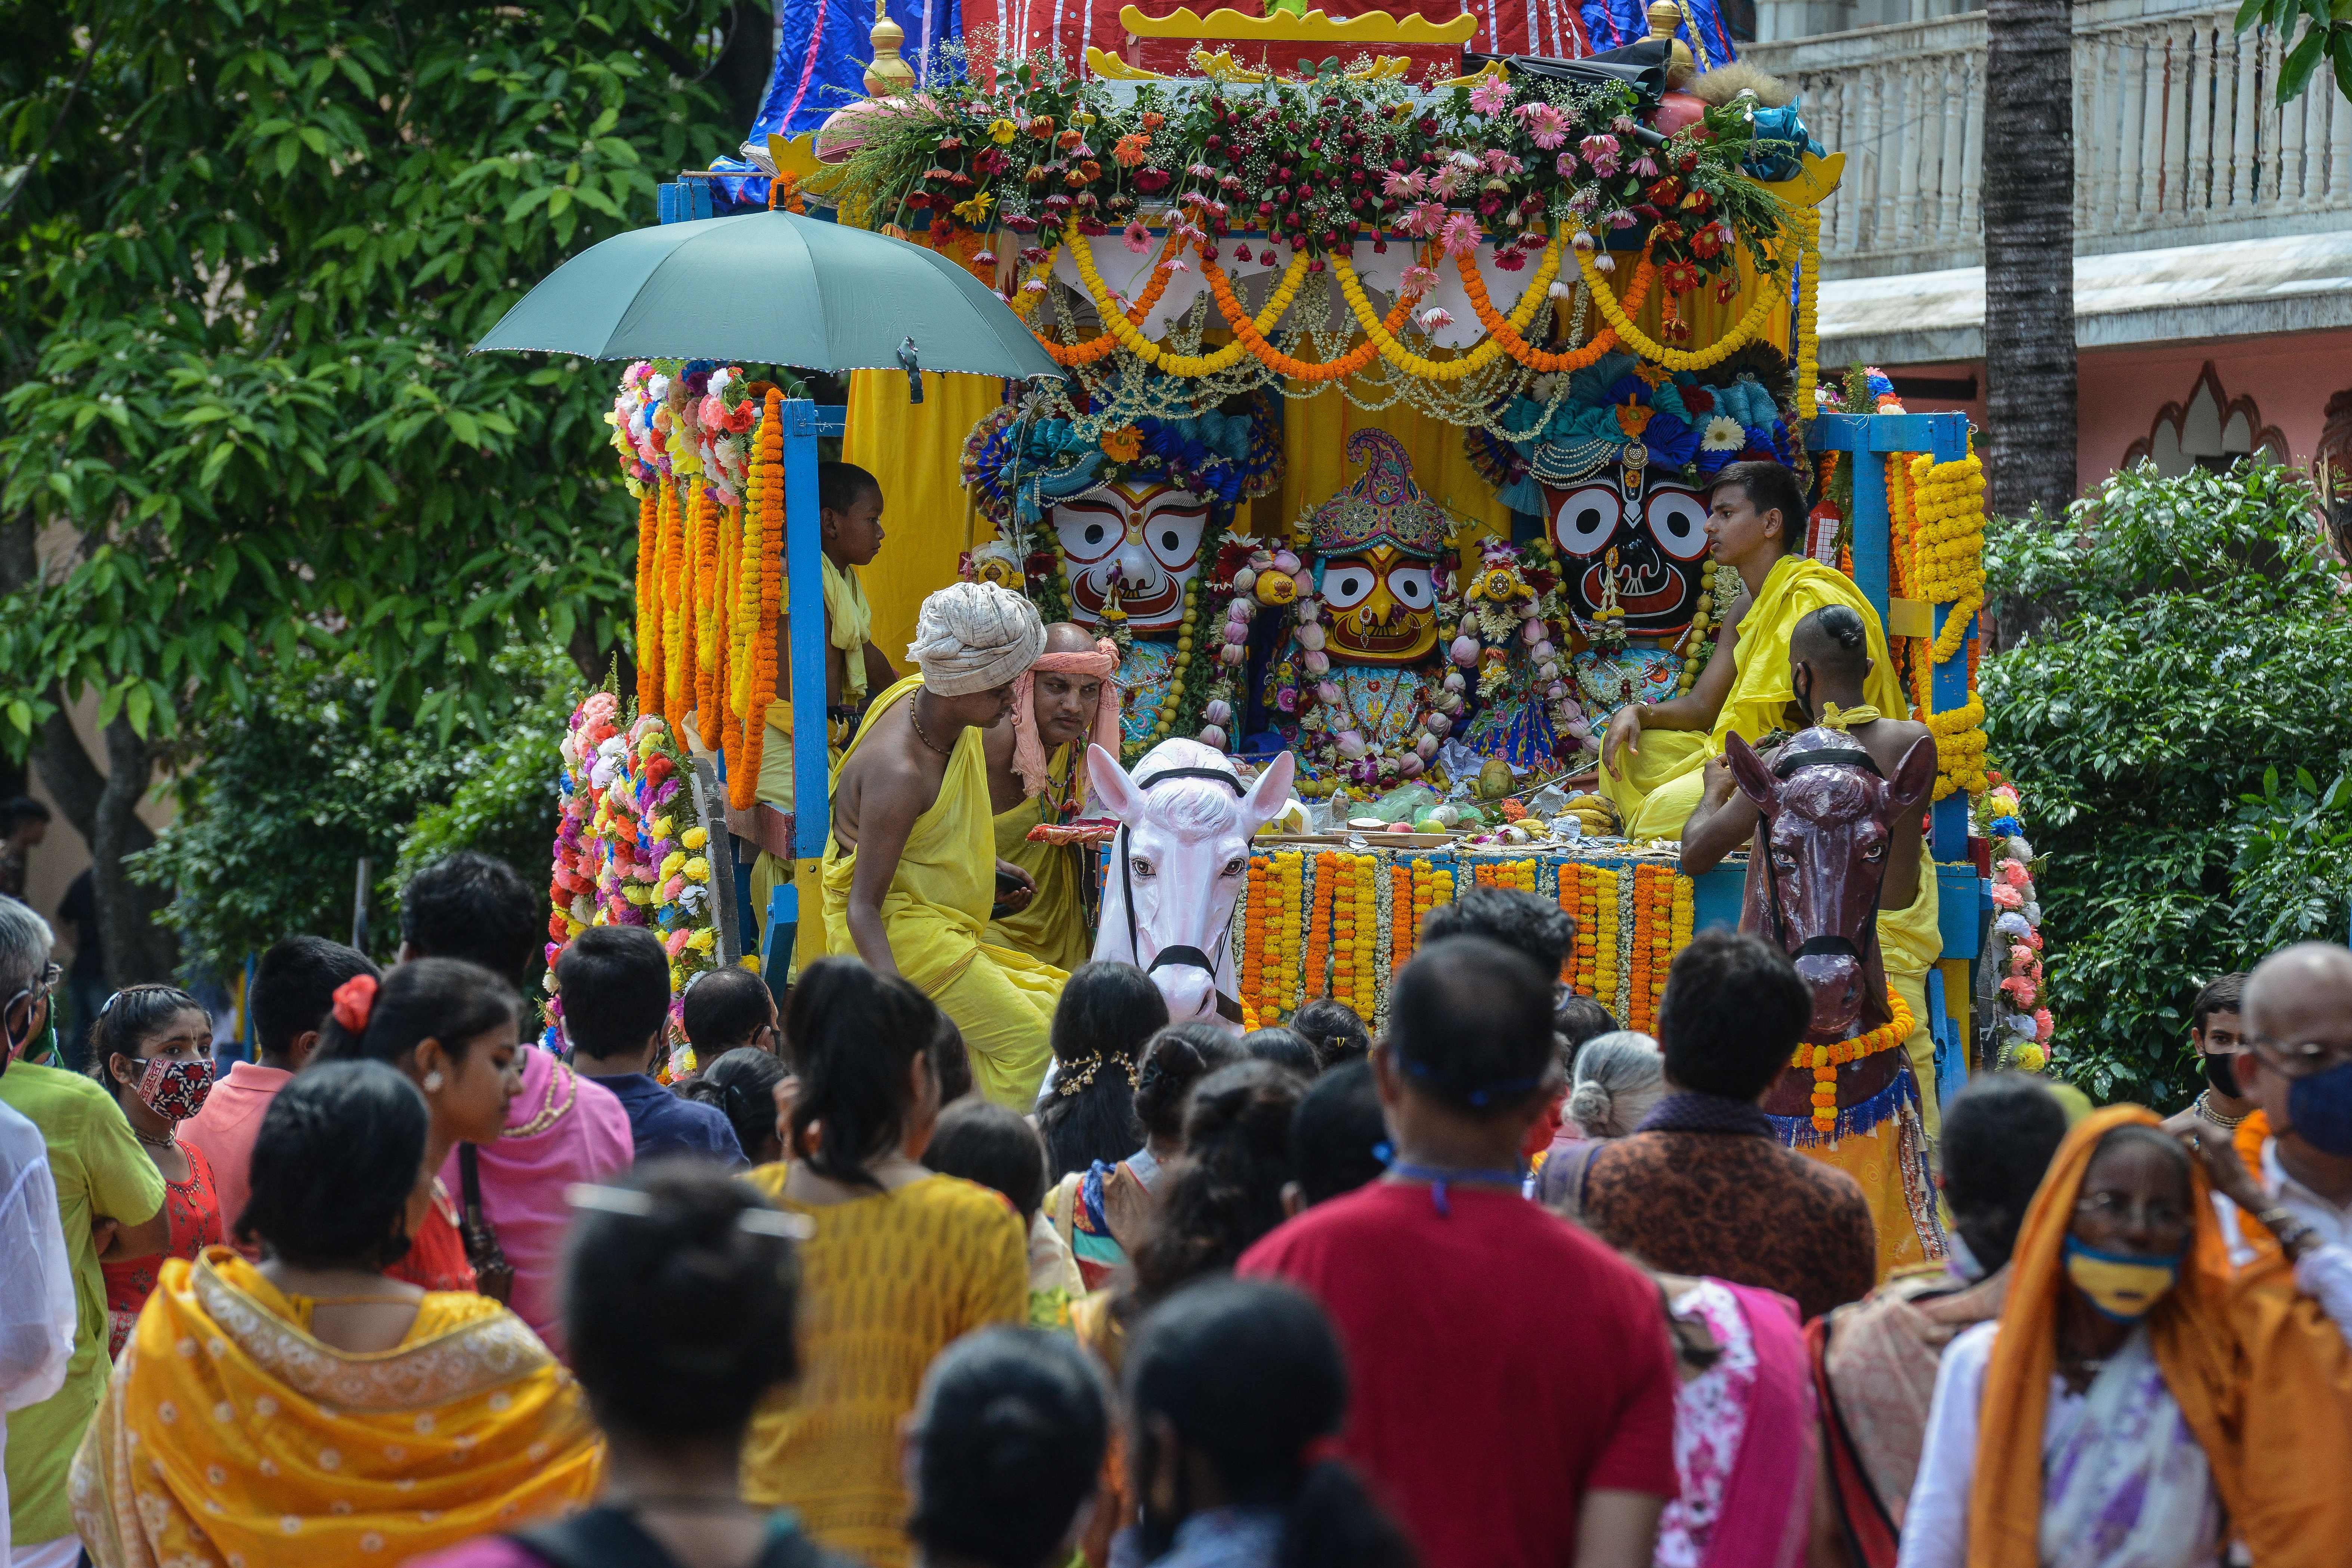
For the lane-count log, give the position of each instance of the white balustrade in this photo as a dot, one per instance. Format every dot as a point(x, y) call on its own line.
point(2177, 137)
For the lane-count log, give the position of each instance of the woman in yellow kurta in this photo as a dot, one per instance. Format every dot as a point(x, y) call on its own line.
point(901, 1262)
point(1655, 753)
point(974, 638)
point(311, 1409)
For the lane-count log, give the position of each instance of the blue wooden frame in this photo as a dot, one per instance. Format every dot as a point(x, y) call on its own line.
point(804, 422)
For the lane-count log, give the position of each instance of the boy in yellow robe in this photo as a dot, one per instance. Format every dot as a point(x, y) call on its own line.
point(1036, 773)
point(849, 517)
point(1655, 753)
point(912, 870)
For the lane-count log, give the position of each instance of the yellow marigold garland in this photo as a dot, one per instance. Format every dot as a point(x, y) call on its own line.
point(1635, 339)
point(1602, 881)
point(1488, 351)
point(1115, 321)
point(669, 562)
point(1363, 995)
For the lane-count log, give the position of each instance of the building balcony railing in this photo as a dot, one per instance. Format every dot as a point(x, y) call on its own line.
point(2178, 138)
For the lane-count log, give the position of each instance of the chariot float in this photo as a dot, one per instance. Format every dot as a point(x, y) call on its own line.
point(1394, 376)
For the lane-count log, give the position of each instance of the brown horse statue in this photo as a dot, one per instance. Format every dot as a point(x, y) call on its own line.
point(1814, 877)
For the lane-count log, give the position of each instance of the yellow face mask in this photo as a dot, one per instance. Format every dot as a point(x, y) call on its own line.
point(2120, 1286)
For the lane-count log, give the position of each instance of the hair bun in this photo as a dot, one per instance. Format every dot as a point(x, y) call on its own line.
point(1590, 1104)
point(1019, 1438)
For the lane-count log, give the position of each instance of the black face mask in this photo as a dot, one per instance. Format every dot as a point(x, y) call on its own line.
point(2222, 1072)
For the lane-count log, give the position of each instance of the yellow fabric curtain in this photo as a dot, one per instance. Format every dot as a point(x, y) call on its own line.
point(915, 450)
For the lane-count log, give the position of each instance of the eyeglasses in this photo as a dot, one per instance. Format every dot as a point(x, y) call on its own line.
point(2300, 1058)
point(2160, 1216)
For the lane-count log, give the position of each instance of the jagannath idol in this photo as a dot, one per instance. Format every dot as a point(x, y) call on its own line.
point(1374, 673)
point(1614, 460)
point(1128, 528)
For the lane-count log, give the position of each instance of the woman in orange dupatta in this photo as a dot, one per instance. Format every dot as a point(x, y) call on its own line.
point(310, 1410)
point(2245, 1425)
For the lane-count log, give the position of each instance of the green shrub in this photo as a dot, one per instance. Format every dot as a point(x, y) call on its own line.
point(2196, 651)
point(296, 785)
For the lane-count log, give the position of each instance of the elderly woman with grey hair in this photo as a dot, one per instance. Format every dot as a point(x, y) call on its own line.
point(1618, 1078)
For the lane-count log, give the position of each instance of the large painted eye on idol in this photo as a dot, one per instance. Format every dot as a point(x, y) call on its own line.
point(1677, 520)
point(1413, 587)
point(1173, 525)
point(1348, 583)
point(1587, 519)
point(1089, 528)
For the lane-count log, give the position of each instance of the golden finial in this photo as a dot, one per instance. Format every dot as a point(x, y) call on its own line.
point(888, 76)
point(1666, 21)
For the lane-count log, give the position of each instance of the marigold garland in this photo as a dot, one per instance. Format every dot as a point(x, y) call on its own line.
point(649, 602)
point(1543, 361)
point(669, 563)
point(767, 545)
point(1246, 330)
point(1100, 345)
point(1643, 958)
point(1254, 899)
point(1135, 343)
point(1633, 338)
point(1825, 1060)
point(1486, 350)
point(1403, 915)
point(1340, 870)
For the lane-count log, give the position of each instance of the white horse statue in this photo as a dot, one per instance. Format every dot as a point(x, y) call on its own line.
point(1180, 859)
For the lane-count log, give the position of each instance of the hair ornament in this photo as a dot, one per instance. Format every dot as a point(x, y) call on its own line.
point(355, 1003)
point(632, 1204)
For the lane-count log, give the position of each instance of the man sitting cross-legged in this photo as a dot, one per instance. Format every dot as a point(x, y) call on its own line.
point(911, 871)
point(1037, 773)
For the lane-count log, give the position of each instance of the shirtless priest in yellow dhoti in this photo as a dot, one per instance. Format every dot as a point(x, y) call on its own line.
point(911, 869)
point(1654, 754)
point(1036, 774)
point(849, 519)
point(1828, 670)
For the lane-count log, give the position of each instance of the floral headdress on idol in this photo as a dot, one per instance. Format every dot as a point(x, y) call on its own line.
point(1016, 471)
point(1678, 423)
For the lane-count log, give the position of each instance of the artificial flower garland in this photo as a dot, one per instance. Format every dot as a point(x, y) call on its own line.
point(2021, 1024)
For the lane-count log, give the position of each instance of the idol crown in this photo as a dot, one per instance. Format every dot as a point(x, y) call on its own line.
point(1383, 507)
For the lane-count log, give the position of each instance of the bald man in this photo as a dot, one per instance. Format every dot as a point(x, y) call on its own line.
point(1036, 774)
point(911, 869)
point(2297, 1068)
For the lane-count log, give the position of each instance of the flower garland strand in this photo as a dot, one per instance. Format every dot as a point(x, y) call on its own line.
point(649, 602)
point(1543, 361)
point(1825, 1060)
point(1633, 338)
point(764, 535)
point(2020, 1024)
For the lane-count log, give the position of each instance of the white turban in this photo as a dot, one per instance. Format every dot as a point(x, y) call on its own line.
point(974, 635)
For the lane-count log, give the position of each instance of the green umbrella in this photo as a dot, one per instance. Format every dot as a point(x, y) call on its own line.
point(771, 288)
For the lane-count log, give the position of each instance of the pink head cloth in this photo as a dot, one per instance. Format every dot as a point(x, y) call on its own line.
point(1028, 750)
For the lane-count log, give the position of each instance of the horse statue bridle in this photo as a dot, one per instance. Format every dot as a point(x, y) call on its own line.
point(1228, 1007)
point(1784, 764)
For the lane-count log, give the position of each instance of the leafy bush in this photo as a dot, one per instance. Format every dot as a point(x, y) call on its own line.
point(296, 784)
point(2196, 650)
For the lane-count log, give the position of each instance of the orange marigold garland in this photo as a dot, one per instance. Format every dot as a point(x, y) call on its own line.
point(1253, 913)
point(1315, 972)
point(1543, 361)
point(1403, 916)
point(1661, 937)
point(767, 573)
point(648, 601)
point(1644, 1018)
point(1344, 912)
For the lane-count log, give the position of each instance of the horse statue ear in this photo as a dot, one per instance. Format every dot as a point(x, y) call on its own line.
point(1915, 778)
point(1266, 796)
point(1113, 789)
point(1748, 770)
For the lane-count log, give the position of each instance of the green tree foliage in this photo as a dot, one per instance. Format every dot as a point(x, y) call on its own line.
point(2196, 649)
point(299, 783)
point(246, 244)
point(2324, 36)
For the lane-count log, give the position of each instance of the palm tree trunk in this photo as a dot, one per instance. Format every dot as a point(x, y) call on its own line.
point(2029, 226)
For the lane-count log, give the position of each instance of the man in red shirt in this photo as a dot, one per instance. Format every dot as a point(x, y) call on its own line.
point(1513, 1389)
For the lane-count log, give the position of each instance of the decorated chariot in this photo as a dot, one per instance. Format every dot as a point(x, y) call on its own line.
point(1393, 382)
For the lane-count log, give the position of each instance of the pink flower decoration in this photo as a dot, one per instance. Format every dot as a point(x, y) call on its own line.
point(1435, 320)
point(1461, 237)
point(2006, 897)
point(1491, 96)
point(2012, 873)
point(1646, 167)
point(675, 942)
point(1420, 280)
point(1137, 237)
point(1406, 184)
point(2043, 1024)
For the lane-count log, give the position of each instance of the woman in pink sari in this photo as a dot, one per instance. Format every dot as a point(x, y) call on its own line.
point(559, 1130)
point(1744, 1429)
